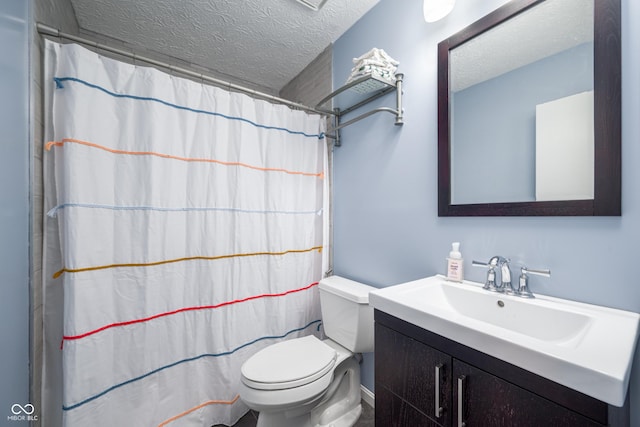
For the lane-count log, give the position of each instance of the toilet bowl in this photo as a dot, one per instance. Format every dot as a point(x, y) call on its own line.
point(308, 382)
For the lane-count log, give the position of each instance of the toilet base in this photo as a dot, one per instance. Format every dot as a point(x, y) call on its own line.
point(339, 407)
point(278, 420)
point(281, 419)
point(347, 419)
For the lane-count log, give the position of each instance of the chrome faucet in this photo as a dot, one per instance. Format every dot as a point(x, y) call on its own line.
point(505, 274)
point(505, 277)
point(505, 285)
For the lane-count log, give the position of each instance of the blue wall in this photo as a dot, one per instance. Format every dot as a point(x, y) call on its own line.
point(387, 229)
point(495, 146)
point(14, 205)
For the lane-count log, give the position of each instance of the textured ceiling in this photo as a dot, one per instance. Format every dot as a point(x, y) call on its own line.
point(264, 42)
point(542, 31)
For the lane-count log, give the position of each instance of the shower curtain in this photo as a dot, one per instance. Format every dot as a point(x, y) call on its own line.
point(185, 230)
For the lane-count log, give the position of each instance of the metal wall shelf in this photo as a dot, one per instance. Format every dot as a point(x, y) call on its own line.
point(356, 94)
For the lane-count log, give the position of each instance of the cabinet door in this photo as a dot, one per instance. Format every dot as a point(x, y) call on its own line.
point(414, 372)
point(392, 411)
point(482, 399)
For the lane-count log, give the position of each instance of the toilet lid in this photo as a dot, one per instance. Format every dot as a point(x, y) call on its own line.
point(288, 364)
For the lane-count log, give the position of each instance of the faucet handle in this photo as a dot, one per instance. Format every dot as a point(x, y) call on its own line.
point(480, 264)
point(490, 284)
point(493, 262)
point(542, 272)
point(523, 289)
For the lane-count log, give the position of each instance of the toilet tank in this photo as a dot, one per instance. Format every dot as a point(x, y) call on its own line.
point(347, 316)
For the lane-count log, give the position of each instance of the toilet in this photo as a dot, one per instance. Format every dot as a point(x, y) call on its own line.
point(308, 382)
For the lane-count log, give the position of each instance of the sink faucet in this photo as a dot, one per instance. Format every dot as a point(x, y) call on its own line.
point(505, 274)
point(505, 285)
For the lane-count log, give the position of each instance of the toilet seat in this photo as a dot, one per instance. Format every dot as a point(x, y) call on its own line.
point(289, 364)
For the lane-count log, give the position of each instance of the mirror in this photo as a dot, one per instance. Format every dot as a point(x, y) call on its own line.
point(529, 111)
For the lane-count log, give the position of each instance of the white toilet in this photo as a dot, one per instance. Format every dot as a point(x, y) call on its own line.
point(306, 382)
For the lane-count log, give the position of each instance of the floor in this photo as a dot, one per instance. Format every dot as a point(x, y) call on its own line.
point(366, 419)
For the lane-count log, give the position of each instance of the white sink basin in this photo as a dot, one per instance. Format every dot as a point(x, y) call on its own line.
point(585, 347)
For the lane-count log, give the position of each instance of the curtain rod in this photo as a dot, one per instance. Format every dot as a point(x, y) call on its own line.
point(50, 31)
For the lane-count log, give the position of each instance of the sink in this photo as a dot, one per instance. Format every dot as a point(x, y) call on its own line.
point(586, 347)
point(545, 321)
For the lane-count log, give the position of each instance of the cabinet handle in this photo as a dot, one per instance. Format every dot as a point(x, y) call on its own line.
point(438, 408)
point(460, 400)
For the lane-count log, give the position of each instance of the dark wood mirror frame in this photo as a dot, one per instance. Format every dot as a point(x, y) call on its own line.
point(607, 112)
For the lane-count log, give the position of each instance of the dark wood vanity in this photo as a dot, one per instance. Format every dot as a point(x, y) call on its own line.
point(416, 369)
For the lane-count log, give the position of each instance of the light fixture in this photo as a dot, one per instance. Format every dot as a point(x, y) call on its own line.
point(313, 4)
point(435, 10)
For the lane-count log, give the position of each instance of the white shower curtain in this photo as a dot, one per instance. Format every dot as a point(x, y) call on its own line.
point(185, 231)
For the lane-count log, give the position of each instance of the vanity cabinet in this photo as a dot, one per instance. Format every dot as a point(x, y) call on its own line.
point(424, 379)
point(407, 374)
point(487, 400)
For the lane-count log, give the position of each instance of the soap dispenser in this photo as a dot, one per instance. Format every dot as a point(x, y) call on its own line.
point(455, 271)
